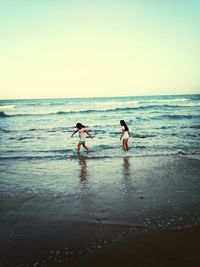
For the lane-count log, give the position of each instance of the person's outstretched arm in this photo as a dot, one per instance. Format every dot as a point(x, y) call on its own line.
point(74, 133)
point(88, 134)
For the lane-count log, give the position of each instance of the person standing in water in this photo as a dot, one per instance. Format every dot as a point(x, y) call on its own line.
point(82, 132)
point(125, 135)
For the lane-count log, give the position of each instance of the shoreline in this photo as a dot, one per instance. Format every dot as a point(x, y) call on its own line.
point(81, 212)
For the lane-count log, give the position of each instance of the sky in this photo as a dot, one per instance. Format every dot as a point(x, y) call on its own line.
point(81, 48)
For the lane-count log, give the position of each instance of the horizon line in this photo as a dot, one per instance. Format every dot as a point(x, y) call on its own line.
point(95, 97)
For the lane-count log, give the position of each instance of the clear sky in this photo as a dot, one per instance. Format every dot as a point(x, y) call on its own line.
point(82, 48)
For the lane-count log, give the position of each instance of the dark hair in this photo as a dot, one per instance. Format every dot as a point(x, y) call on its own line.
point(122, 122)
point(80, 125)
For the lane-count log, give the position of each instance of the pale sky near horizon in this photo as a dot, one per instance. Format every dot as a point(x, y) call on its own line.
point(80, 48)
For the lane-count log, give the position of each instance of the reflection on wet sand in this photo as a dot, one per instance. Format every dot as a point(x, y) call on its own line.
point(127, 176)
point(126, 167)
point(83, 168)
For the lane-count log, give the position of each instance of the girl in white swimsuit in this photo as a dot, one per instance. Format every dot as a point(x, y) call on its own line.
point(82, 131)
point(125, 135)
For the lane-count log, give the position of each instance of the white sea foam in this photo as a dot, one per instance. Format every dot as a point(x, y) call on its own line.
point(7, 107)
point(166, 100)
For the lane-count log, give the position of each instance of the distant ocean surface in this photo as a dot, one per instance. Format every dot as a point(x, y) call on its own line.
point(41, 128)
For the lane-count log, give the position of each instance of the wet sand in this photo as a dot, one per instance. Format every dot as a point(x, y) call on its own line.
point(171, 248)
point(141, 211)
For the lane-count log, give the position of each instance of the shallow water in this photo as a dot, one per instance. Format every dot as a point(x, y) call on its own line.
point(89, 191)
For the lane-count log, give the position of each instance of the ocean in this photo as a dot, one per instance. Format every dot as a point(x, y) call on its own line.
point(41, 128)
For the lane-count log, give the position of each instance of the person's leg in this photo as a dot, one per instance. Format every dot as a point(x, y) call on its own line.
point(84, 145)
point(126, 144)
point(78, 147)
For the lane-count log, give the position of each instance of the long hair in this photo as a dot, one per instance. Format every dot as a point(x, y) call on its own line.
point(80, 125)
point(122, 122)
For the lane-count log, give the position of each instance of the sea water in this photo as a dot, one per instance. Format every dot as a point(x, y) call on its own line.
point(41, 128)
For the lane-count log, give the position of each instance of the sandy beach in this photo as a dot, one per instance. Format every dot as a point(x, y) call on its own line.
point(142, 211)
point(170, 248)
